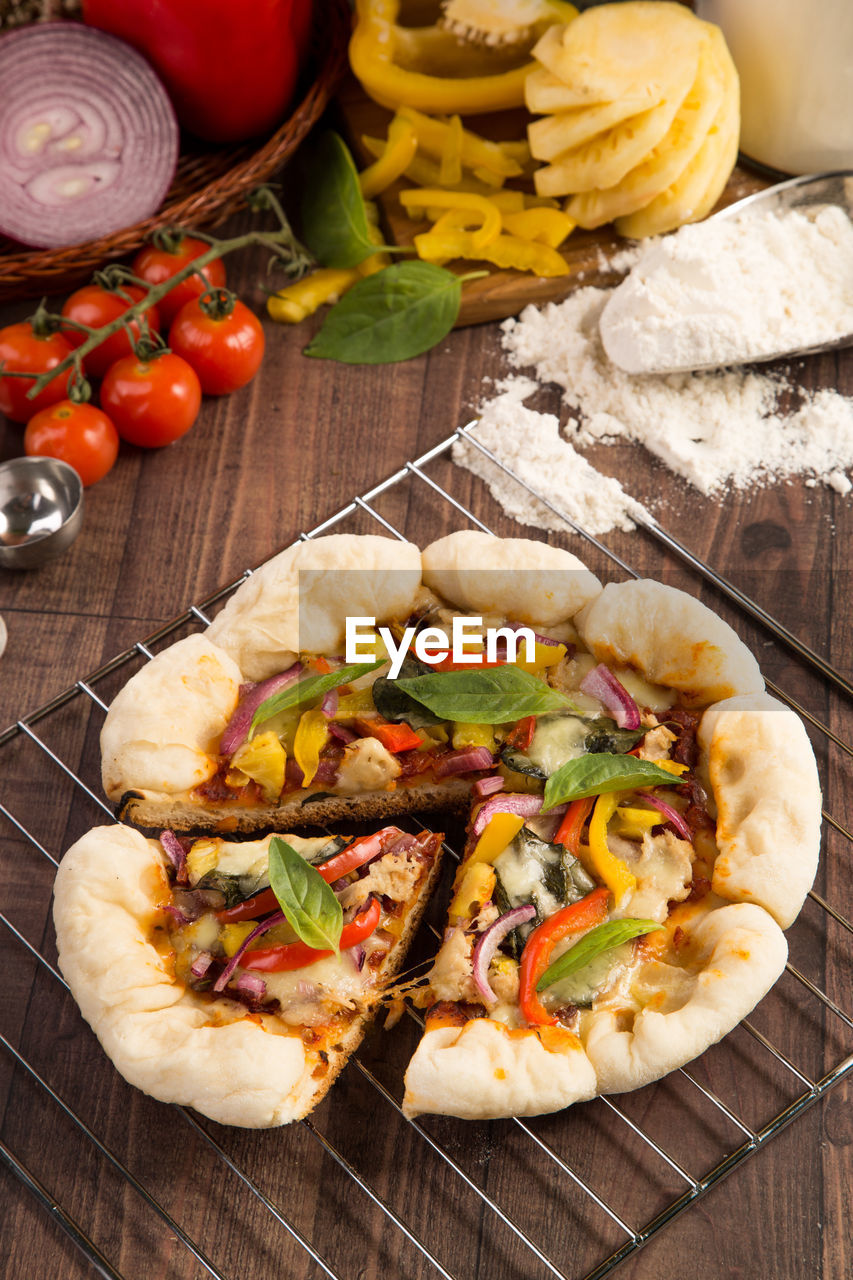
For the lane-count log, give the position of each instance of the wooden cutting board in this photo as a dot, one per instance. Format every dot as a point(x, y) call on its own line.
point(502, 293)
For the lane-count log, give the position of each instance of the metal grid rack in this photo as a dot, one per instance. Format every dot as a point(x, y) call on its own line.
point(673, 1184)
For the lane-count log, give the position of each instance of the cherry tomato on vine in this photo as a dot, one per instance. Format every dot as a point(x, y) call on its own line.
point(24, 349)
point(152, 401)
point(222, 340)
point(93, 305)
point(76, 433)
point(164, 258)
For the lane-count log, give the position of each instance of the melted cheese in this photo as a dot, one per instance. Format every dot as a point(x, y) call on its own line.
point(334, 980)
point(521, 876)
point(251, 858)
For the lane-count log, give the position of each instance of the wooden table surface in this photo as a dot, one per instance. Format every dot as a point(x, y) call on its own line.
point(166, 529)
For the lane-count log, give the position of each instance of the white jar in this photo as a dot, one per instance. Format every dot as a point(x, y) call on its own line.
point(795, 61)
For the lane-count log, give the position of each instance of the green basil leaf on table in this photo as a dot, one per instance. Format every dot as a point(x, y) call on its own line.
point(602, 938)
point(395, 314)
point(308, 902)
point(310, 690)
point(334, 220)
point(593, 775)
point(493, 696)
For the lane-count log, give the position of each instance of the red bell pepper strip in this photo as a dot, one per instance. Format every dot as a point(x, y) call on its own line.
point(295, 955)
point(535, 957)
point(522, 735)
point(252, 909)
point(569, 830)
point(395, 737)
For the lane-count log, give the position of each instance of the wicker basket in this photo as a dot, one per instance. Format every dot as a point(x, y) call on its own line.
point(210, 183)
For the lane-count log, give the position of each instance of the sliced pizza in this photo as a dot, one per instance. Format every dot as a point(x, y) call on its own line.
point(237, 978)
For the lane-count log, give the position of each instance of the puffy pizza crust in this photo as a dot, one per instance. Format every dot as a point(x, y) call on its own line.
point(671, 639)
point(162, 728)
point(157, 1034)
point(732, 955)
point(299, 601)
point(482, 1070)
point(523, 580)
point(764, 778)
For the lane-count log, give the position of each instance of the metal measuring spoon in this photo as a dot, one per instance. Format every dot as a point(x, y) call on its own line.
point(811, 191)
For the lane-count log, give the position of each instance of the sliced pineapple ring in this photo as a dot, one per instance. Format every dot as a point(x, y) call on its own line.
point(663, 165)
point(618, 49)
point(545, 93)
point(693, 195)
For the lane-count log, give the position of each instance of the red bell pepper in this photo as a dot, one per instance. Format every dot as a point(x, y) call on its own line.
point(535, 957)
point(230, 69)
point(295, 955)
point(523, 733)
point(394, 737)
point(569, 830)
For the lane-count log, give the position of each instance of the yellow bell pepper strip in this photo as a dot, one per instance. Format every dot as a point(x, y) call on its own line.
point(672, 766)
point(397, 155)
point(536, 955)
point(434, 197)
point(612, 870)
point(450, 168)
point(476, 886)
point(374, 55)
point(436, 136)
point(548, 226)
point(353, 706)
point(473, 735)
point(301, 299)
point(498, 834)
point(426, 173)
point(544, 656)
point(634, 823)
point(504, 251)
point(311, 736)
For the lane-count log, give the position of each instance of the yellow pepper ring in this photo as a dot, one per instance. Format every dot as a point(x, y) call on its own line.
point(434, 197)
point(395, 159)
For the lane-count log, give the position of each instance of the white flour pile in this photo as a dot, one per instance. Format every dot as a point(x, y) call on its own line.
point(719, 293)
point(716, 430)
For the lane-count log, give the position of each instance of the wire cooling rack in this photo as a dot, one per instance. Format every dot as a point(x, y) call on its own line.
point(797, 1045)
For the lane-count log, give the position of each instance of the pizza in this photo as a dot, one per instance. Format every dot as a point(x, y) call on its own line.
point(194, 981)
point(644, 819)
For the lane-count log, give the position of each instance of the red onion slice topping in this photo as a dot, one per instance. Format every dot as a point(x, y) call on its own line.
point(201, 964)
point(525, 805)
point(488, 943)
point(672, 815)
point(488, 786)
point(88, 137)
point(602, 684)
point(251, 985)
point(329, 705)
point(237, 727)
point(467, 760)
point(222, 981)
point(174, 851)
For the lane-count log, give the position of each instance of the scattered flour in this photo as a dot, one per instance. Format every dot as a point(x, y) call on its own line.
point(731, 290)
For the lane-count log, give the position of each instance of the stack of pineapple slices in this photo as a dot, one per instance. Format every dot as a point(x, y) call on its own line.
point(641, 116)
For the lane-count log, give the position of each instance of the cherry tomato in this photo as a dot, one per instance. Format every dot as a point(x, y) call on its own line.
point(158, 262)
point(96, 306)
point(222, 340)
point(78, 434)
point(25, 350)
point(152, 402)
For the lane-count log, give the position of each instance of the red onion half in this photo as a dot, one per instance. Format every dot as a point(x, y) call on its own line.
point(88, 137)
point(488, 943)
point(601, 683)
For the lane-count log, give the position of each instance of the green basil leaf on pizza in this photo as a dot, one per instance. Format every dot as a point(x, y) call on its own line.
point(310, 690)
point(613, 933)
point(594, 775)
point(308, 902)
point(494, 696)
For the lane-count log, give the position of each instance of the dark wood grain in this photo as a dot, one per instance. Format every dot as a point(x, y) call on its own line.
point(168, 528)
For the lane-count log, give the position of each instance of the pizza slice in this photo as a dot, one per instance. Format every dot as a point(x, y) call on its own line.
point(237, 978)
point(627, 910)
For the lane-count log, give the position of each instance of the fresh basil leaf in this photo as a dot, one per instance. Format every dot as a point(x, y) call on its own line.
point(605, 735)
point(602, 938)
point(312, 910)
point(395, 705)
point(495, 695)
point(310, 690)
point(333, 217)
point(593, 775)
point(395, 314)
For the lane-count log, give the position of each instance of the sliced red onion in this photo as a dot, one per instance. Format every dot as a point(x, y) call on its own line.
point(251, 985)
point(329, 705)
point(602, 684)
point(192, 903)
point(488, 786)
point(467, 760)
point(357, 954)
point(538, 637)
point(524, 805)
point(488, 943)
point(671, 815)
point(401, 842)
point(174, 851)
point(201, 964)
point(88, 137)
point(177, 915)
point(222, 981)
point(342, 734)
point(327, 772)
point(238, 726)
